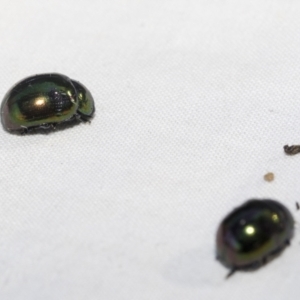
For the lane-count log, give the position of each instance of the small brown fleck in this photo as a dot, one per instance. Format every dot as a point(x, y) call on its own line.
point(269, 177)
point(291, 150)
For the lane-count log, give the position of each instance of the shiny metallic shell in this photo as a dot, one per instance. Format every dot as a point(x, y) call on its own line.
point(43, 100)
point(253, 234)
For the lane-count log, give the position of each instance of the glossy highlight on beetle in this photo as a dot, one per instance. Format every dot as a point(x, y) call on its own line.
point(45, 100)
point(253, 234)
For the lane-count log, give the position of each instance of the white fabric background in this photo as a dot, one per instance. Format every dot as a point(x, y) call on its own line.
point(195, 100)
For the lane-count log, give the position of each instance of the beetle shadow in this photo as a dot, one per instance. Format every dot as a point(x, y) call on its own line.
point(192, 268)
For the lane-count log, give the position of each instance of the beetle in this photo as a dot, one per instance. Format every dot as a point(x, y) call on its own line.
point(45, 100)
point(253, 234)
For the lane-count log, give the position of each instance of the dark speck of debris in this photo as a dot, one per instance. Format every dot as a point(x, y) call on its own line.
point(269, 177)
point(291, 150)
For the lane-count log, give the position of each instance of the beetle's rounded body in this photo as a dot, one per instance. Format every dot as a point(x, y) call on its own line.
point(42, 101)
point(253, 234)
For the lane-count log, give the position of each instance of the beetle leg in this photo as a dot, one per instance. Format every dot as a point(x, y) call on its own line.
point(231, 272)
point(264, 260)
point(23, 130)
point(83, 118)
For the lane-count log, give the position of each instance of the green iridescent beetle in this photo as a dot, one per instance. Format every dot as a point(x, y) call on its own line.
point(45, 100)
point(253, 234)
